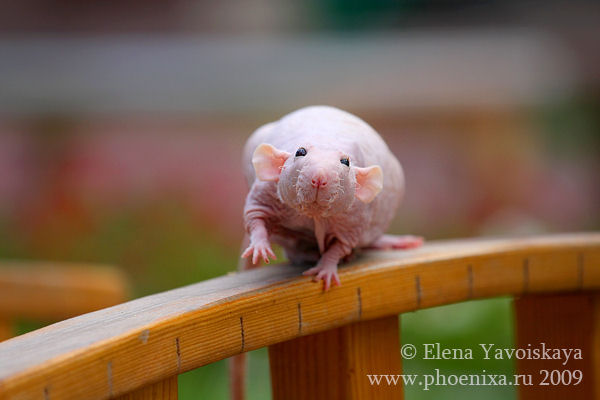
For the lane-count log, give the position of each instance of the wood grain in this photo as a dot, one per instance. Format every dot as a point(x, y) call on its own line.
point(125, 347)
point(334, 364)
point(162, 390)
point(55, 291)
point(560, 321)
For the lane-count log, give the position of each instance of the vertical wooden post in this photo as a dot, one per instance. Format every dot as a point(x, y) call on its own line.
point(559, 321)
point(6, 331)
point(162, 390)
point(335, 364)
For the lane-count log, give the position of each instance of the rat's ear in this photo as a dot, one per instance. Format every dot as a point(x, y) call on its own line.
point(369, 182)
point(268, 161)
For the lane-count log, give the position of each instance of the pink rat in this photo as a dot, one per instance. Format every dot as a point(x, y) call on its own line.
point(322, 184)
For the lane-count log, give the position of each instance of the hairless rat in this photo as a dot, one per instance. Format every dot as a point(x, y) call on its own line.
point(322, 184)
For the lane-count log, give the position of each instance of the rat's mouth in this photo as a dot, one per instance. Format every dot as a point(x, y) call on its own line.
point(313, 202)
point(319, 206)
point(314, 206)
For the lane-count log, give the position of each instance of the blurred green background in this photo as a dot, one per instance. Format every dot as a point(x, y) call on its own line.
point(122, 125)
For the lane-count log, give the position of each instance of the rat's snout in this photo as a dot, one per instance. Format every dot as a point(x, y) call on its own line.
point(319, 180)
point(321, 187)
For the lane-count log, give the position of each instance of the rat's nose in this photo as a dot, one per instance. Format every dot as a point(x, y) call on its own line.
point(319, 180)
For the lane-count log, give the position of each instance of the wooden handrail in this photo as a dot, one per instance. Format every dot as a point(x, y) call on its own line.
point(126, 347)
point(57, 290)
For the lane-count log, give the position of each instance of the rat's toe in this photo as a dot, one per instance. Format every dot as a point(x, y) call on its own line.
point(247, 252)
point(336, 279)
point(311, 271)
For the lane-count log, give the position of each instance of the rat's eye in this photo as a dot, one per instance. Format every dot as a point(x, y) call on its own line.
point(345, 161)
point(301, 152)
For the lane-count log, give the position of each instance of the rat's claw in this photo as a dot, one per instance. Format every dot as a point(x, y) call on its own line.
point(247, 252)
point(323, 275)
point(328, 277)
point(311, 271)
point(328, 274)
point(270, 253)
point(264, 255)
point(259, 250)
point(255, 256)
point(336, 279)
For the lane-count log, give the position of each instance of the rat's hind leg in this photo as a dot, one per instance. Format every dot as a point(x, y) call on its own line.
point(388, 242)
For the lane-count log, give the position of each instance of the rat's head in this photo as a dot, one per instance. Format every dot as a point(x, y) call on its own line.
point(317, 182)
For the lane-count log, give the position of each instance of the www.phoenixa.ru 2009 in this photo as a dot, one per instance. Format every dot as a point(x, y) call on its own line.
point(426, 381)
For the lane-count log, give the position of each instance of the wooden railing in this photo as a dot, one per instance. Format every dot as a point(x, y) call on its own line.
point(48, 291)
point(322, 344)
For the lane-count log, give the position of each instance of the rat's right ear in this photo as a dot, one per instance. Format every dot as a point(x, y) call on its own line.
point(268, 161)
point(369, 181)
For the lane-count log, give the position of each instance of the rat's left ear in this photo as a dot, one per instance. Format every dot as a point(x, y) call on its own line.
point(369, 182)
point(268, 161)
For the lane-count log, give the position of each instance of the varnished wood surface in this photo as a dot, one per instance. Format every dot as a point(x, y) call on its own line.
point(560, 321)
point(55, 291)
point(334, 364)
point(122, 348)
point(161, 390)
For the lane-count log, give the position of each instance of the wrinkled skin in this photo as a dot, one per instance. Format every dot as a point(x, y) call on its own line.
point(322, 183)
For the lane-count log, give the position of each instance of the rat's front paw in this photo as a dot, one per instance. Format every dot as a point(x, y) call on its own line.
point(260, 248)
point(325, 272)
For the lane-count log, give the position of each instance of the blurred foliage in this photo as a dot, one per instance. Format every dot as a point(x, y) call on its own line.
point(571, 127)
point(460, 326)
point(211, 381)
point(159, 245)
point(358, 15)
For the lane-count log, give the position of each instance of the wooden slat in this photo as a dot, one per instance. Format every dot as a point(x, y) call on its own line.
point(162, 390)
point(152, 338)
point(334, 364)
point(55, 291)
point(559, 321)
